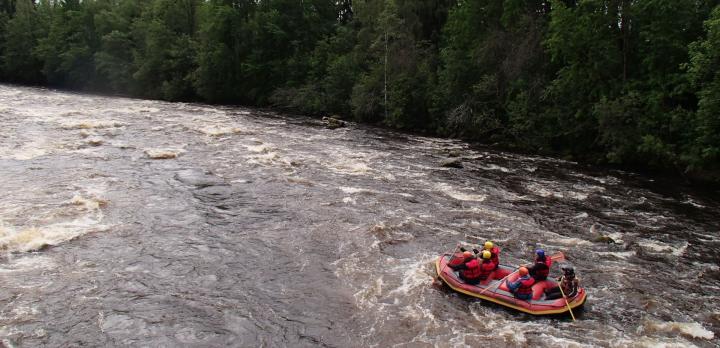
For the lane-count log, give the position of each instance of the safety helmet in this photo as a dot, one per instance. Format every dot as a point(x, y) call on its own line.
point(540, 253)
point(568, 271)
point(523, 271)
point(486, 255)
point(467, 254)
point(488, 245)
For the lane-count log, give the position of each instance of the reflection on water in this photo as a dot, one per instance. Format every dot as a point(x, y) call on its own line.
point(131, 222)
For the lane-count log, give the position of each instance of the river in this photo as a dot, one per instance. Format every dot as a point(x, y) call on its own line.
point(129, 222)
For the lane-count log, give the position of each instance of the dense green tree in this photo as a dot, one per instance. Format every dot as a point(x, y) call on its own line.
point(22, 33)
point(223, 43)
point(115, 55)
point(165, 57)
point(67, 49)
point(704, 73)
point(493, 69)
point(628, 82)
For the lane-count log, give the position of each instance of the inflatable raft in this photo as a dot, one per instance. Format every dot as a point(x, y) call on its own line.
point(490, 290)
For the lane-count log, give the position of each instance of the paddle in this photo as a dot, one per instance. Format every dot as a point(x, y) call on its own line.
point(565, 298)
point(558, 256)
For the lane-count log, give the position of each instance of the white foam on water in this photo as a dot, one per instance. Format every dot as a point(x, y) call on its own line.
point(36, 238)
point(542, 191)
point(26, 152)
point(386, 177)
point(616, 236)
point(351, 167)
point(459, 195)
point(413, 275)
point(265, 158)
point(31, 262)
point(349, 200)
point(493, 214)
point(260, 147)
point(145, 109)
point(216, 131)
point(687, 329)
point(94, 141)
point(570, 241)
point(164, 153)
point(561, 342)
point(692, 202)
point(647, 342)
point(578, 196)
point(91, 124)
point(660, 247)
point(352, 190)
point(581, 216)
point(618, 254)
point(88, 203)
point(497, 168)
point(615, 212)
point(367, 296)
point(356, 190)
point(79, 216)
point(578, 192)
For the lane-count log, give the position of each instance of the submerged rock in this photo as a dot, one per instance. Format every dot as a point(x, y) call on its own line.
point(452, 163)
point(333, 122)
point(604, 239)
point(453, 153)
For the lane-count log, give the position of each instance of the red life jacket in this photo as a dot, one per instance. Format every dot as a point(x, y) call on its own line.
point(472, 271)
point(456, 260)
point(542, 272)
point(486, 268)
point(525, 285)
point(495, 255)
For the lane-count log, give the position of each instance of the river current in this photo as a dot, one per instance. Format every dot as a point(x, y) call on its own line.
point(128, 222)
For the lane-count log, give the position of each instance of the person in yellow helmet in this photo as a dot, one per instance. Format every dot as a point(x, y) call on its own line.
point(494, 252)
point(487, 266)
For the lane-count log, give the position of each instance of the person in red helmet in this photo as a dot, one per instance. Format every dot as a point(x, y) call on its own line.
point(541, 268)
point(494, 252)
point(459, 258)
point(470, 270)
point(522, 288)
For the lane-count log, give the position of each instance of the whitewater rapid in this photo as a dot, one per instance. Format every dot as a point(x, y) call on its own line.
point(135, 222)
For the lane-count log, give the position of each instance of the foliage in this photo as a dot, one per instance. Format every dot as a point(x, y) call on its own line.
point(624, 82)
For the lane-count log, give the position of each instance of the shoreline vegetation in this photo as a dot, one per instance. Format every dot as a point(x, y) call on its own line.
point(619, 83)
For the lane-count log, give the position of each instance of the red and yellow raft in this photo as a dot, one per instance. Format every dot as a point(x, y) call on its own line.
point(490, 290)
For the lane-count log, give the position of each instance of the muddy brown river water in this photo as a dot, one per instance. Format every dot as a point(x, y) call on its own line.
point(127, 222)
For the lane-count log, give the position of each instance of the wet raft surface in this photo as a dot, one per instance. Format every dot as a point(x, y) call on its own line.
point(130, 222)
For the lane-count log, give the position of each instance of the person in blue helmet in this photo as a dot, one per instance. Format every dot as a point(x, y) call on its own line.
point(541, 268)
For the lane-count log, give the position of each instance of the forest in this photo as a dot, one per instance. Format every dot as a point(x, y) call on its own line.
point(627, 83)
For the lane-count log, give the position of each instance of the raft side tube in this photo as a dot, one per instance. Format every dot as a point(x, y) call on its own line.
point(490, 290)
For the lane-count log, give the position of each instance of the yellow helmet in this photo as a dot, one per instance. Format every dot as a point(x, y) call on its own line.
point(488, 245)
point(486, 254)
